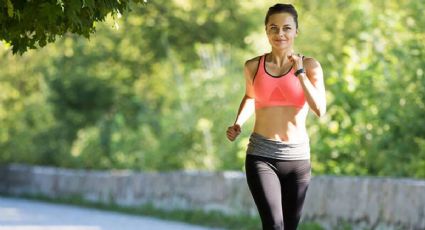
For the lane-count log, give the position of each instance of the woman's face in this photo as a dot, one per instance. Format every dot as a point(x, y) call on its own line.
point(281, 30)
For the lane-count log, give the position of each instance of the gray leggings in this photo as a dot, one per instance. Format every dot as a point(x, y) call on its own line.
point(279, 188)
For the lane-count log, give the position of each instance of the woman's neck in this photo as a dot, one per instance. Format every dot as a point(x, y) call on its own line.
point(280, 57)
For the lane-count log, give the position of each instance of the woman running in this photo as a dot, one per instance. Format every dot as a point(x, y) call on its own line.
point(281, 87)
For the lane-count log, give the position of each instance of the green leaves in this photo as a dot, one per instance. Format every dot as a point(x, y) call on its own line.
point(159, 92)
point(371, 77)
point(32, 24)
point(9, 8)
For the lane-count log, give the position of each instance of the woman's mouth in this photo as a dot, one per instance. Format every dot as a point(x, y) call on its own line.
point(280, 40)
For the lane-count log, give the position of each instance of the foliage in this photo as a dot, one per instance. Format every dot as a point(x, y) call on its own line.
point(26, 24)
point(374, 77)
point(159, 92)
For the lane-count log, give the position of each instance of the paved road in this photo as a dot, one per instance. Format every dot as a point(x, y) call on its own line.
point(20, 214)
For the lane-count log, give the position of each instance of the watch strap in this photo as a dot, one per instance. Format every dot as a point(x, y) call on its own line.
point(298, 72)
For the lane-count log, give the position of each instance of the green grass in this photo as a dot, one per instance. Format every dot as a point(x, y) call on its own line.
point(198, 217)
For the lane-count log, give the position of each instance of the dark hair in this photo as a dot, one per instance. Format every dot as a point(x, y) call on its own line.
point(282, 8)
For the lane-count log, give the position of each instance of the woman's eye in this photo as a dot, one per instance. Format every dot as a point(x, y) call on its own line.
point(276, 29)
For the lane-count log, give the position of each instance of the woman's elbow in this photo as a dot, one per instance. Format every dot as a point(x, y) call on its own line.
point(320, 112)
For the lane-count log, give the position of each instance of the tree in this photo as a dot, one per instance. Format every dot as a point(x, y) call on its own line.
point(26, 24)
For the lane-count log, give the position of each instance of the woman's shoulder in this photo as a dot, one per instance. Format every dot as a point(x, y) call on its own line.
point(310, 62)
point(252, 64)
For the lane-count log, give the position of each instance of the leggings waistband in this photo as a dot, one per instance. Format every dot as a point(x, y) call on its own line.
point(262, 146)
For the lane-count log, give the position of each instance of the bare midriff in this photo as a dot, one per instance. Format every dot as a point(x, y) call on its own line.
point(284, 123)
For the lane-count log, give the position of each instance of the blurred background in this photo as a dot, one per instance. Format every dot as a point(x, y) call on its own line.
point(156, 89)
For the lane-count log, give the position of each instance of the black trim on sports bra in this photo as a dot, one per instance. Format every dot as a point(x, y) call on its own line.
point(265, 70)
point(258, 67)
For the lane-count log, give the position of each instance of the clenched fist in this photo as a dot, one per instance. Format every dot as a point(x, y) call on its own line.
point(233, 132)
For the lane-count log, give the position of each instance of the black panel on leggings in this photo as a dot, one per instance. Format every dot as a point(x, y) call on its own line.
point(279, 189)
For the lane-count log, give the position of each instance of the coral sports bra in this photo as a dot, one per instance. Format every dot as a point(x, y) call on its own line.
point(284, 90)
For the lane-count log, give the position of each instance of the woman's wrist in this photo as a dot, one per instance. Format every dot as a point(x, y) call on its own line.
point(299, 71)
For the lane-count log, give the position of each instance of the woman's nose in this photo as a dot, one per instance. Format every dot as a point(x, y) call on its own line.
point(280, 32)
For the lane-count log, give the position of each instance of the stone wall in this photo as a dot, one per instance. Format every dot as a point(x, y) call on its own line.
point(364, 202)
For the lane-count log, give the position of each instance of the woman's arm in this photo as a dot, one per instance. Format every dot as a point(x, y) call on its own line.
point(314, 87)
point(247, 105)
point(246, 109)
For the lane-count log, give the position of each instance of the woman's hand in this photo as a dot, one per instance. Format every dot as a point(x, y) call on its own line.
point(233, 132)
point(297, 60)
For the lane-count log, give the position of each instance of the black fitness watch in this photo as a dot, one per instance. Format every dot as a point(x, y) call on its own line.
point(300, 71)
